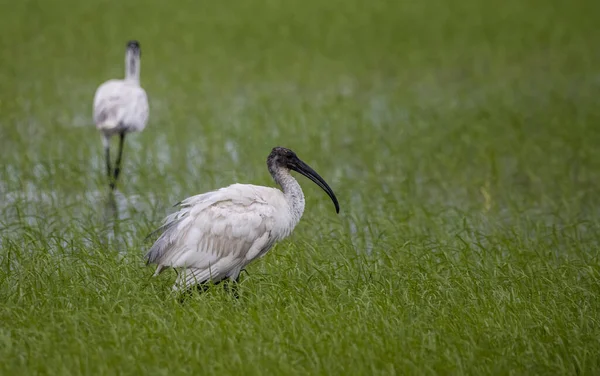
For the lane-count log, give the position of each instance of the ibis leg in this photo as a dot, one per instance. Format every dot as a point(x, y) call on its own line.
point(119, 155)
point(199, 289)
point(231, 285)
point(109, 171)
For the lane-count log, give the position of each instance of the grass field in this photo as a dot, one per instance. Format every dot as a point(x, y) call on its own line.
point(461, 138)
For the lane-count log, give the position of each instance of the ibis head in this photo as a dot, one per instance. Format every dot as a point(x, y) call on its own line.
point(134, 46)
point(283, 158)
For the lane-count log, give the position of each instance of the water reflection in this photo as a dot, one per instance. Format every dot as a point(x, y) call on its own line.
point(111, 219)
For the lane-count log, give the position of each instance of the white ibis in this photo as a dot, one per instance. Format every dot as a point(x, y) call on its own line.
point(215, 235)
point(120, 107)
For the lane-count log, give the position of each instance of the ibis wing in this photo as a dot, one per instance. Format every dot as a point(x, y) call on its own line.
point(214, 233)
point(119, 104)
point(107, 109)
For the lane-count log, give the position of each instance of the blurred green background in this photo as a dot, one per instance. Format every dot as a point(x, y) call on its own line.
point(460, 137)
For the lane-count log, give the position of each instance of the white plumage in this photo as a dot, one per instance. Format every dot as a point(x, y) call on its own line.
point(121, 107)
point(215, 235)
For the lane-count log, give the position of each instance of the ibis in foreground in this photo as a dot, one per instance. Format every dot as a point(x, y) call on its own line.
point(120, 107)
point(213, 236)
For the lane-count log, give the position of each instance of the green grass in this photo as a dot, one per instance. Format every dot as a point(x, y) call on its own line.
point(461, 138)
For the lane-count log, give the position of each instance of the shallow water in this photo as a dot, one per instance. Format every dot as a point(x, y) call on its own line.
point(460, 139)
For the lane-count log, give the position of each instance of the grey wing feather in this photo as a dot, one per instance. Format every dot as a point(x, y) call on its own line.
point(215, 234)
point(167, 230)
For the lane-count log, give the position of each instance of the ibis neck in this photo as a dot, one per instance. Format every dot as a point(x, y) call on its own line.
point(292, 192)
point(132, 67)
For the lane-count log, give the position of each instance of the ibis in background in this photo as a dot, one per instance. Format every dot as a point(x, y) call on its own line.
point(213, 236)
point(120, 107)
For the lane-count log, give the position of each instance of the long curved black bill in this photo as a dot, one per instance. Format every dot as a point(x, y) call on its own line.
point(307, 171)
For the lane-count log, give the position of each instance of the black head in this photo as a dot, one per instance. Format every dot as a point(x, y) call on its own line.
point(281, 157)
point(285, 158)
point(134, 46)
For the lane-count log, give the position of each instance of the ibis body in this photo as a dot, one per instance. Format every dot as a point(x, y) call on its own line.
point(121, 107)
point(213, 236)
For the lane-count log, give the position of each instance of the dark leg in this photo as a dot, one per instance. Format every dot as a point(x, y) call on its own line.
point(188, 293)
point(231, 285)
point(108, 166)
point(118, 162)
point(199, 288)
